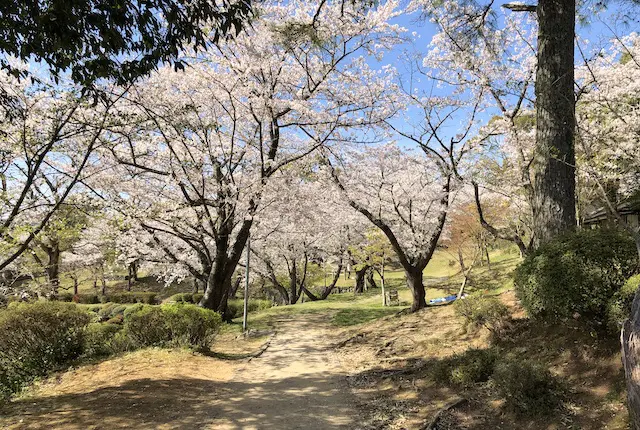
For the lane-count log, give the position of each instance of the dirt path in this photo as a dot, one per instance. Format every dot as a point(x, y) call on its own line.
point(295, 384)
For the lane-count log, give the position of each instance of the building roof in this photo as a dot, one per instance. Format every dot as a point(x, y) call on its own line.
point(602, 213)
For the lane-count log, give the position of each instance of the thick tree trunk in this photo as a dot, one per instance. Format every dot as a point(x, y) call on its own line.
point(235, 287)
point(75, 286)
point(414, 282)
point(360, 279)
point(371, 283)
point(554, 165)
point(630, 339)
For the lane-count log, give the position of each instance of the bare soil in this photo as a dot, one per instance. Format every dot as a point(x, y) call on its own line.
point(295, 383)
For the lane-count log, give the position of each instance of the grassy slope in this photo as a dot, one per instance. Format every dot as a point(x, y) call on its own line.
point(391, 356)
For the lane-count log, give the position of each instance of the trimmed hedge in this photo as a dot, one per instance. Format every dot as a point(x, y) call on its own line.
point(578, 272)
point(130, 297)
point(181, 325)
point(193, 298)
point(236, 306)
point(36, 338)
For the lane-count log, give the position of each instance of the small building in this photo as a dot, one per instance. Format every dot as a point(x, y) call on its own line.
point(629, 211)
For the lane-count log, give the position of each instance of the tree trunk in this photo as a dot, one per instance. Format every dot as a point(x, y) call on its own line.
point(461, 260)
point(554, 199)
point(103, 280)
point(53, 267)
point(414, 282)
point(334, 281)
point(235, 287)
point(75, 286)
point(371, 283)
point(360, 279)
point(630, 339)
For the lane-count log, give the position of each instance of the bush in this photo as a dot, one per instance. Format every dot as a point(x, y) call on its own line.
point(65, 297)
point(578, 272)
point(111, 310)
point(182, 325)
point(86, 299)
point(99, 340)
point(619, 307)
point(483, 311)
point(236, 306)
point(472, 367)
point(193, 298)
point(130, 297)
point(36, 338)
point(528, 388)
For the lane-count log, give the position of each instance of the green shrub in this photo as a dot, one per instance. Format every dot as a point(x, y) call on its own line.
point(193, 298)
point(619, 307)
point(130, 297)
point(472, 367)
point(111, 310)
point(483, 311)
point(35, 338)
point(528, 388)
point(236, 306)
point(99, 340)
point(86, 299)
point(65, 297)
point(171, 325)
point(578, 272)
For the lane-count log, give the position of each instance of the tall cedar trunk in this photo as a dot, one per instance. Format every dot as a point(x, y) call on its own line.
point(630, 339)
point(554, 200)
point(360, 279)
point(414, 282)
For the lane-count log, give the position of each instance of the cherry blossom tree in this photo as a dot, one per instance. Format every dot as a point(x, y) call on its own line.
point(404, 194)
point(197, 149)
point(49, 138)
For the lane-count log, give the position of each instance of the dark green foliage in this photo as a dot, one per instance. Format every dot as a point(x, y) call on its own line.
point(528, 388)
point(472, 367)
point(36, 338)
point(87, 299)
point(112, 39)
point(111, 310)
point(236, 307)
point(193, 298)
point(100, 340)
point(619, 306)
point(483, 311)
point(578, 272)
point(131, 297)
point(181, 325)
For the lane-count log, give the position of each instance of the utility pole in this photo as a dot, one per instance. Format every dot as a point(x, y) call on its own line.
point(246, 288)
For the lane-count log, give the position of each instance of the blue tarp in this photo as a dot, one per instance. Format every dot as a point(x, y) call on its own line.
point(443, 300)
